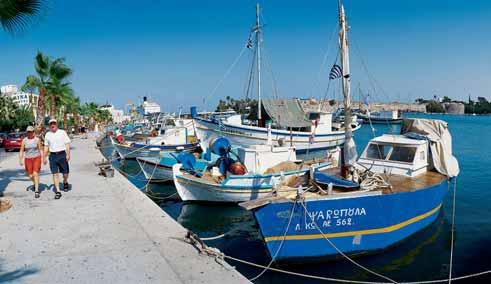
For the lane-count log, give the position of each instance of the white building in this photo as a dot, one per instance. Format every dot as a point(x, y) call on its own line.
point(20, 98)
point(117, 115)
point(148, 107)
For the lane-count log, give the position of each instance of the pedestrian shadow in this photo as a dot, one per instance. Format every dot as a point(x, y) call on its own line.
point(62, 189)
point(42, 187)
point(51, 187)
point(8, 176)
point(14, 275)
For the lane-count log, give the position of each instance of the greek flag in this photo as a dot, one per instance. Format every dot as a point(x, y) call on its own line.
point(336, 72)
point(367, 103)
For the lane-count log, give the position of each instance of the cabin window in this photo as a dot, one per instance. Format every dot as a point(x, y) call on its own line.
point(377, 151)
point(403, 154)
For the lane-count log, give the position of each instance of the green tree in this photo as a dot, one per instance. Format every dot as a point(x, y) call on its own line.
point(23, 117)
point(72, 105)
point(446, 99)
point(59, 88)
point(39, 82)
point(89, 112)
point(16, 15)
point(434, 107)
point(7, 113)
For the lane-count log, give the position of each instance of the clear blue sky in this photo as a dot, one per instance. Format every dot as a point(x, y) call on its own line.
point(175, 52)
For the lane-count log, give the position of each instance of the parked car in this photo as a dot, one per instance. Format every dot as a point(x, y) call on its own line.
point(3, 135)
point(13, 141)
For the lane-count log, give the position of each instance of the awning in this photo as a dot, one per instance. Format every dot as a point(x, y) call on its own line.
point(436, 131)
point(286, 112)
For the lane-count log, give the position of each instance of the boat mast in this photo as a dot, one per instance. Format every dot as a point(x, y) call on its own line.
point(343, 44)
point(258, 58)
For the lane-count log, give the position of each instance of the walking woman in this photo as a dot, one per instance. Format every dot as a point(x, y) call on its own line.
point(31, 156)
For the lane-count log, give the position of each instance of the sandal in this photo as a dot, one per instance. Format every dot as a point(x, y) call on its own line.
point(58, 195)
point(36, 194)
point(66, 186)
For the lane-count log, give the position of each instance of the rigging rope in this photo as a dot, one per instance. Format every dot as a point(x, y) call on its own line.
point(244, 48)
point(317, 82)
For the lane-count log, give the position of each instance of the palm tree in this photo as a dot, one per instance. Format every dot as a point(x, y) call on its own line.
point(69, 105)
point(57, 85)
point(40, 82)
point(73, 107)
point(16, 15)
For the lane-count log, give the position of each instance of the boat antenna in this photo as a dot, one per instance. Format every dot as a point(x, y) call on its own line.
point(257, 29)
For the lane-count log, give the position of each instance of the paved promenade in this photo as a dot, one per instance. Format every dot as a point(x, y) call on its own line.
point(101, 231)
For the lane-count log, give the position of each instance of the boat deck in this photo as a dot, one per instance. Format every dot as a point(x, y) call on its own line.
point(401, 183)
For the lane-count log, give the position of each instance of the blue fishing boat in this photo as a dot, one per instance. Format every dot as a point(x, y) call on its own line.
point(395, 189)
point(402, 193)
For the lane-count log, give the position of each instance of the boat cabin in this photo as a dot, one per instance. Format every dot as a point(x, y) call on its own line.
point(324, 121)
point(396, 154)
point(259, 158)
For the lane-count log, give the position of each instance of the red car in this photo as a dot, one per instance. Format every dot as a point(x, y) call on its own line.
point(13, 141)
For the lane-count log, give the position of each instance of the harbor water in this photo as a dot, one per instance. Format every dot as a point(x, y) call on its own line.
point(423, 256)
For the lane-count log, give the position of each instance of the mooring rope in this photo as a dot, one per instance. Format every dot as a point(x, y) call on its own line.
point(340, 252)
point(452, 232)
point(198, 243)
point(280, 246)
point(150, 179)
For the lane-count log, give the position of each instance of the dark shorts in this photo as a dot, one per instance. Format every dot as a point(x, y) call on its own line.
point(58, 163)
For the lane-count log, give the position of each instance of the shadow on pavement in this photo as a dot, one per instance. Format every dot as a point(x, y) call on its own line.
point(15, 275)
point(8, 176)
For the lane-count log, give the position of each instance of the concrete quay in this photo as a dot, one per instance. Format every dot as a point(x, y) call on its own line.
point(101, 231)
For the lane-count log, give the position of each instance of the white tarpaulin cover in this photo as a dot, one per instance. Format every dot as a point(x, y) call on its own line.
point(440, 143)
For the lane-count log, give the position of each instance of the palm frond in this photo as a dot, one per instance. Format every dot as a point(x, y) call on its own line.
point(41, 64)
point(58, 70)
point(17, 15)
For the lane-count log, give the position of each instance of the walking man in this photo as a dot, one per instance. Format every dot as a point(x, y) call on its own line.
point(57, 144)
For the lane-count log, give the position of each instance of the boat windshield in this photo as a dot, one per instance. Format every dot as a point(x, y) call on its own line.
point(403, 154)
point(378, 151)
point(396, 153)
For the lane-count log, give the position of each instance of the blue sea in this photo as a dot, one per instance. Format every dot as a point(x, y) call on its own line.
point(423, 256)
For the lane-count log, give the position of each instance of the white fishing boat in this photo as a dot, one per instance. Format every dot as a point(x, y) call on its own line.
point(172, 140)
point(380, 117)
point(257, 171)
point(291, 125)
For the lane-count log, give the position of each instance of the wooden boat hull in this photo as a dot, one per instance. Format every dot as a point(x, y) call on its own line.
point(252, 135)
point(354, 224)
